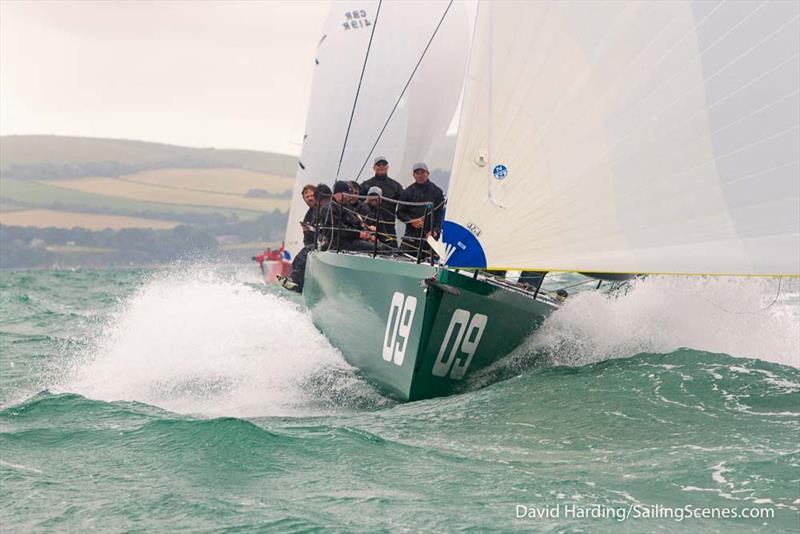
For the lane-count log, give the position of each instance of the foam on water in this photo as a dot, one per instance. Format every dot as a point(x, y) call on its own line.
point(200, 342)
point(741, 317)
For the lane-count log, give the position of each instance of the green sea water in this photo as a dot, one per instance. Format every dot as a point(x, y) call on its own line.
point(198, 399)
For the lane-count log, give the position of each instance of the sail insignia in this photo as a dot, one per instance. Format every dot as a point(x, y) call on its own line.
point(462, 245)
point(500, 171)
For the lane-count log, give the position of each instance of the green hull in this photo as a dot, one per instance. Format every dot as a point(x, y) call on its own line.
point(412, 340)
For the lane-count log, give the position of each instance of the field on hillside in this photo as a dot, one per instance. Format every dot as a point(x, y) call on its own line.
point(65, 219)
point(60, 151)
point(227, 181)
point(74, 201)
point(34, 194)
point(115, 187)
point(73, 249)
point(7, 208)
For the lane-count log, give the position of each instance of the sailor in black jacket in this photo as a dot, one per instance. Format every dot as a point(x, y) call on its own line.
point(340, 227)
point(422, 190)
point(391, 189)
point(321, 198)
point(309, 221)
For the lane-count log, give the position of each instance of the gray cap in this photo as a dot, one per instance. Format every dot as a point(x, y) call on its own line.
point(419, 165)
point(379, 158)
point(375, 190)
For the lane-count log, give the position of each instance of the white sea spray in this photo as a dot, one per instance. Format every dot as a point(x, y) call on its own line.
point(742, 317)
point(193, 340)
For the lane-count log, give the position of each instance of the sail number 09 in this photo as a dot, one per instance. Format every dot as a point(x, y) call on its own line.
point(401, 315)
point(466, 327)
point(466, 340)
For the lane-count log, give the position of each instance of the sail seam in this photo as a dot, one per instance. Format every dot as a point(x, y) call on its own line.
point(403, 92)
point(358, 89)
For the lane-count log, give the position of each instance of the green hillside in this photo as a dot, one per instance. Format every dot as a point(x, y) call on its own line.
point(50, 157)
point(63, 199)
point(19, 194)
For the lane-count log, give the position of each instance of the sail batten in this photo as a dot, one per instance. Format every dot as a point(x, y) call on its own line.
point(630, 137)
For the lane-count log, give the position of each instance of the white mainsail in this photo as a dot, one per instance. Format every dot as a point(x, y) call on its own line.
point(418, 125)
point(639, 137)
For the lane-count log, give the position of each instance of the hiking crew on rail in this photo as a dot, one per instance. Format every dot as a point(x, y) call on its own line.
point(338, 220)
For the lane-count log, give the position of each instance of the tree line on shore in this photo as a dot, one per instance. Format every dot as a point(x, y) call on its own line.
point(22, 247)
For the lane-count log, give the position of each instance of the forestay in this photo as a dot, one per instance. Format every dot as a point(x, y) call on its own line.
point(639, 137)
point(420, 122)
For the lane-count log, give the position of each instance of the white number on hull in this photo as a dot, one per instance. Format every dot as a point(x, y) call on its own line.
point(398, 325)
point(467, 338)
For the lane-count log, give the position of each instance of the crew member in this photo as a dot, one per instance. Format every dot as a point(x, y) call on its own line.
point(372, 219)
point(391, 190)
point(321, 198)
point(310, 218)
point(340, 227)
point(419, 226)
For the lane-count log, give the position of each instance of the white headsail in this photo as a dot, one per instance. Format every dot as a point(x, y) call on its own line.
point(657, 137)
point(404, 32)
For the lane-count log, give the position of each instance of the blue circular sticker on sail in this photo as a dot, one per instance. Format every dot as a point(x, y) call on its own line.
point(462, 247)
point(500, 171)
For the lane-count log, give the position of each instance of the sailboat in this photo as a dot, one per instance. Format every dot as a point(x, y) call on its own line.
point(593, 137)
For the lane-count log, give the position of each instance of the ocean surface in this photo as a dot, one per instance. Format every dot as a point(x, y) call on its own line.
point(195, 398)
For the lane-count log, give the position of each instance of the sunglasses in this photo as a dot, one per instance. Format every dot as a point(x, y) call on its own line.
point(382, 164)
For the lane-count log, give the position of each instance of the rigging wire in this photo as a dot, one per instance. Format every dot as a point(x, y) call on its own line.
point(358, 89)
point(403, 92)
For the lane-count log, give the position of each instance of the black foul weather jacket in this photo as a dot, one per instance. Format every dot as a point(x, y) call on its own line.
point(339, 227)
point(424, 192)
point(391, 189)
point(309, 221)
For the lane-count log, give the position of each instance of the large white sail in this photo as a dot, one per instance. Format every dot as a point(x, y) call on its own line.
point(656, 137)
point(404, 32)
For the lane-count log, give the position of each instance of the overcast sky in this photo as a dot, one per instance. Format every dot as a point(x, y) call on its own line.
point(194, 73)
